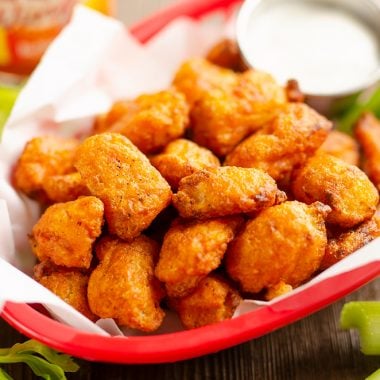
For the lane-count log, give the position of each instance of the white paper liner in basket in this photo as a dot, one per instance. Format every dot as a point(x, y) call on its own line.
point(91, 64)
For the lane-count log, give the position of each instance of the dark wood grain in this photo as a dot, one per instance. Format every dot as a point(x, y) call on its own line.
point(314, 348)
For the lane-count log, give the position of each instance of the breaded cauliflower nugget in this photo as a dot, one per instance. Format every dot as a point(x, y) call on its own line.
point(221, 119)
point(182, 158)
point(345, 188)
point(283, 243)
point(226, 53)
point(151, 121)
point(214, 300)
point(277, 290)
point(66, 231)
point(284, 144)
point(43, 157)
point(196, 77)
point(225, 191)
point(65, 188)
point(191, 250)
point(367, 132)
point(132, 190)
point(343, 146)
point(123, 285)
point(345, 243)
point(71, 287)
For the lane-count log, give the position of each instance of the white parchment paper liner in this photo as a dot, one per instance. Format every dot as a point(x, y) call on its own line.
point(90, 65)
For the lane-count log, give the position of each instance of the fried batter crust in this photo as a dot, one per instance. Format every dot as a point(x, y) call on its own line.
point(191, 250)
point(132, 190)
point(214, 300)
point(182, 158)
point(150, 121)
point(367, 132)
point(345, 243)
point(71, 287)
point(196, 77)
point(343, 146)
point(283, 243)
point(225, 191)
point(222, 118)
point(65, 188)
point(66, 231)
point(123, 285)
point(43, 157)
point(293, 136)
point(345, 188)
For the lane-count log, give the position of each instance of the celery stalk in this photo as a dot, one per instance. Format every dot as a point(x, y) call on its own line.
point(365, 316)
point(374, 376)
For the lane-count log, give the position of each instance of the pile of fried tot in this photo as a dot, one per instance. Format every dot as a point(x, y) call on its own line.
point(222, 186)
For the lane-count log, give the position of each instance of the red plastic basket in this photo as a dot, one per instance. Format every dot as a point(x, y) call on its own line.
point(191, 343)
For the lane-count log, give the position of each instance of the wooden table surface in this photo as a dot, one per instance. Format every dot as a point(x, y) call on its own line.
point(311, 349)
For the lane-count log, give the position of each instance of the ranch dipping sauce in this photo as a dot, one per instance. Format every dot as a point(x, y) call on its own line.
point(330, 47)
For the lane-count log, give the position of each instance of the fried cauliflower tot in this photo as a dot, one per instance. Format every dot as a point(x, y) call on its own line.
point(196, 77)
point(43, 157)
point(66, 231)
point(214, 300)
point(226, 53)
point(123, 285)
point(345, 188)
point(367, 132)
point(343, 146)
point(295, 134)
point(283, 243)
point(182, 158)
point(222, 119)
point(345, 243)
point(191, 250)
point(277, 290)
point(132, 190)
point(225, 191)
point(71, 287)
point(151, 121)
point(64, 188)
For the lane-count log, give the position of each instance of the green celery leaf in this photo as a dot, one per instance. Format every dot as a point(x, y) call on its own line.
point(365, 316)
point(346, 122)
point(374, 376)
point(39, 366)
point(4, 375)
point(32, 346)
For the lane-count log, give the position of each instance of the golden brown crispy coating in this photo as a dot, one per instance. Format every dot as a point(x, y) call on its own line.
point(191, 250)
point(367, 132)
point(64, 188)
point(225, 191)
point(221, 119)
point(283, 243)
point(182, 158)
point(151, 121)
point(196, 77)
point(226, 53)
point(43, 157)
point(345, 243)
point(214, 300)
point(132, 190)
point(66, 231)
point(342, 146)
point(293, 91)
point(345, 188)
point(277, 290)
point(71, 286)
point(123, 285)
point(294, 134)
